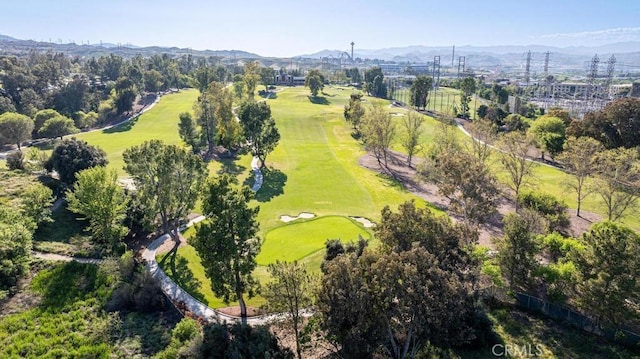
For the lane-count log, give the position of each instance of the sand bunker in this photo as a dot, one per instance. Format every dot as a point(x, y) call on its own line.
point(365, 222)
point(305, 215)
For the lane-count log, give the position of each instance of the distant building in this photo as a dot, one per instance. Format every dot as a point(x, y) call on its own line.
point(573, 90)
point(288, 80)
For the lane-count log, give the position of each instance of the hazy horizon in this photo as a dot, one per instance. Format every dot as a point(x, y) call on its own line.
point(286, 28)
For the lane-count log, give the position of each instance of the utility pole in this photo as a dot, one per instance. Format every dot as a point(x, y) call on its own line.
point(461, 64)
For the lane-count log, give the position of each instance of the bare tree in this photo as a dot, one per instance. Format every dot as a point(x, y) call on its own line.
point(484, 135)
point(579, 158)
point(618, 180)
point(378, 132)
point(412, 124)
point(514, 147)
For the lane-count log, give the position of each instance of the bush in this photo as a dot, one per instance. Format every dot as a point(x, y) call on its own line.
point(147, 297)
point(552, 209)
point(15, 160)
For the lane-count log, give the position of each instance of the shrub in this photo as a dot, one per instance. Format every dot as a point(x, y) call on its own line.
point(15, 160)
point(552, 209)
point(147, 297)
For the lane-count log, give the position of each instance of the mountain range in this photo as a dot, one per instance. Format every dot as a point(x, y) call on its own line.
point(12, 45)
point(478, 57)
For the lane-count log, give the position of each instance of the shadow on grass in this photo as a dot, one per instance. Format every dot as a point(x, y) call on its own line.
point(177, 269)
point(123, 127)
point(151, 330)
point(268, 95)
point(273, 181)
point(66, 225)
point(230, 166)
point(319, 100)
point(66, 284)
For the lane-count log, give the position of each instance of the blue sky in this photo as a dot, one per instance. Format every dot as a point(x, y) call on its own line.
point(287, 28)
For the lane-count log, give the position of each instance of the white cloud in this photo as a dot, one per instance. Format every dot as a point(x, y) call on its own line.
point(605, 36)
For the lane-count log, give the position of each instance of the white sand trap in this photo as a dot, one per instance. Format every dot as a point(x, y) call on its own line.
point(365, 222)
point(397, 114)
point(304, 215)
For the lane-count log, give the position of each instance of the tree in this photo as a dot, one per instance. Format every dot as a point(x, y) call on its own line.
point(354, 111)
point(58, 127)
point(239, 341)
point(188, 131)
point(15, 128)
point(259, 129)
point(291, 291)
point(579, 157)
point(314, 81)
point(43, 116)
point(552, 210)
point(420, 91)
point(98, 196)
point(411, 227)
point(514, 148)
point(618, 180)
point(72, 156)
point(125, 94)
point(548, 134)
point(227, 242)
point(36, 201)
point(414, 292)
point(515, 122)
point(608, 266)
point(469, 185)
point(378, 132)
point(374, 82)
point(616, 125)
point(354, 75)
point(167, 180)
point(482, 111)
point(266, 77)
point(251, 77)
point(229, 131)
point(468, 87)
point(214, 109)
point(517, 249)
point(484, 135)
point(412, 124)
point(15, 241)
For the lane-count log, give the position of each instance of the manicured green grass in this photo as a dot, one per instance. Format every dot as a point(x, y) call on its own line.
point(187, 271)
point(297, 240)
point(161, 123)
point(315, 167)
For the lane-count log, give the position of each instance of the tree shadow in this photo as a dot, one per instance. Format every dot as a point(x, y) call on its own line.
point(122, 127)
point(273, 181)
point(229, 166)
point(318, 100)
point(179, 271)
point(66, 284)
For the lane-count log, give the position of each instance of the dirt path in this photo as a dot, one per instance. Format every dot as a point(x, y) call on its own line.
point(398, 169)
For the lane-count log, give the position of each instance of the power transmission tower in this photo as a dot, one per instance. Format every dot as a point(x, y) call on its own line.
point(436, 71)
point(591, 77)
point(547, 81)
point(611, 66)
point(527, 69)
point(461, 64)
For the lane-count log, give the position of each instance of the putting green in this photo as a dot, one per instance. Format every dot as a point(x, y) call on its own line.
point(300, 239)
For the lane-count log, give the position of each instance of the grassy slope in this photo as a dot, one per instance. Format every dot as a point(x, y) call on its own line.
point(160, 123)
point(69, 319)
point(313, 169)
